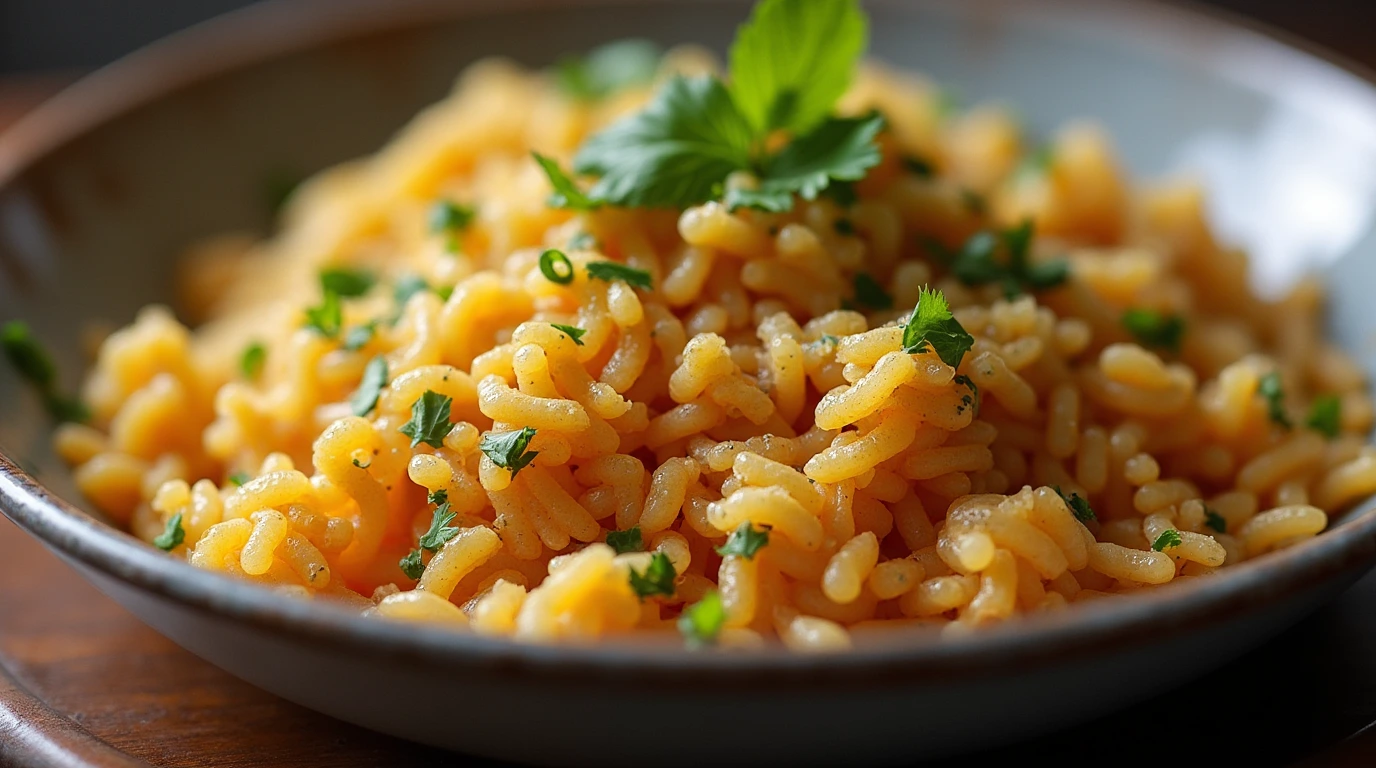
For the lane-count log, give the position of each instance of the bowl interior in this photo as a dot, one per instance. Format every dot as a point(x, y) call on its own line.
point(89, 232)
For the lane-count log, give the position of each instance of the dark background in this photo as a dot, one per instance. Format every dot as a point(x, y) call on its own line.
point(74, 35)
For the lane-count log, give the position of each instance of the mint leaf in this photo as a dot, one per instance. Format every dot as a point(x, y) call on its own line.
point(745, 541)
point(701, 623)
point(1325, 415)
point(793, 59)
point(608, 69)
point(508, 449)
point(625, 541)
point(369, 387)
point(932, 325)
point(672, 154)
point(657, 578)
point(429, 422)
point(566, 193)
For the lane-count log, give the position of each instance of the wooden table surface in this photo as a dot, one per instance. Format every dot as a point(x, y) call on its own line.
point(84, 683)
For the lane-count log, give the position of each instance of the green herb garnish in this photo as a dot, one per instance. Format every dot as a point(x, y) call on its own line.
point(918, 167)
point(566, 193)
point(437, 497)
point(571, 331)
point(450, 218)
point(657, 578)
point(346, 282)
point(931, 325)
point(625, 541)
point(869, 293)
point(508, 449)
point(252, 359)
point(1270, 387)
point(967, 401)
point(172, 535)
point(1325, 415)
point(412, 565)
point(608, 69)
point(556, 267)
point(440, 531)
point(1169, 539)
point(1153, 329)
point(1215, 521)
point(1079, 506)
point(369, 387)
point(358, 337)
point(429, 422)
point(1003, 257)
point(35, 366)
point(701, 623)
point(239, 478)
point(327, 318)
point(745, 541)
point(790, 63)
point(610, 270)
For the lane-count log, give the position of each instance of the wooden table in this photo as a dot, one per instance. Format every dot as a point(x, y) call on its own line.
point(84, 683)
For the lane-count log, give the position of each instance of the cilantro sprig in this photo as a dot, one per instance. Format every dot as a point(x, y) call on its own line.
point(789, 64)
point(508, 449)
point(932, 326)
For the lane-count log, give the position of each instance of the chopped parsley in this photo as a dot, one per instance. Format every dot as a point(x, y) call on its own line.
point(429, 422)
point(556, 267)
point(437, 497)
point(1215, 521)
point(932, 326)
point(1169, 539)
point(408, 286)
point(450, 218)
point(172, 535)
point(701, 623)
point(440, 531)
point(610, 270)
point(508, 449)
point(239, 478)
point(789, 64)
point(412, 565)
point(346, 282)
point(358, 336)
point(869, 293)
point(327, 318)
point(34, 365)
point(745, 541)
point(252, 359)
point(1270, 387)
point(1154, 329)
point(1003, 257)
point(1325, 415)
point(625, 541)
point(657, 578)
point(571, 331)
point(566, 193)
point(369, 387)
point(608, 69)
point(1079, 506)
point(967, 401)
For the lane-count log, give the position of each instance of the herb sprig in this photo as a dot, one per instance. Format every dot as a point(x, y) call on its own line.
point(932, 326)
point(34, 365)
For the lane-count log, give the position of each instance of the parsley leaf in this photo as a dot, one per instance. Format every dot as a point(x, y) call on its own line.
point(440, 531)
point(571, 331)
point(931, 325)
point(608, 69)
point(1325, 415)
point(35, 366)
point(1153, 329)
point(793, 59)
point(508, 449)
point(437, 497)
point(841, 148)
point(977, 262)
point(412, 565)
point(369, 387)
point(1169, 539)
point(745, 541)
point(869, 293)
point(610, 270)
point(701, 623)
point(252, 359)
point(657, 578)
point(346, 282)
point(674, 153)
point(1270, 387)
point(566, 193)
point(172, 536)
point(1215, 521)
point(1079, 506)
point(429, 419)
point(625, 541)
point(327, 318)
point(239, 478)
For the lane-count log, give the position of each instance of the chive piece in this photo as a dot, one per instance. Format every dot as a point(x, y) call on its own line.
point(556, 267)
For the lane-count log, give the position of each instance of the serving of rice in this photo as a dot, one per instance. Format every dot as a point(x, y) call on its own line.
point(756, 390)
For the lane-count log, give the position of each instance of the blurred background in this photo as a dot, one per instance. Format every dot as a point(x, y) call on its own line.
point(70, 36)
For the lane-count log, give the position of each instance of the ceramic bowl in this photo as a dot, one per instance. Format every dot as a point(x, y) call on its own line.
point(101, 188)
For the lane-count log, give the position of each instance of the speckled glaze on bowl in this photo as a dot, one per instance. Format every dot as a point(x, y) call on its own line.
point(100, 189)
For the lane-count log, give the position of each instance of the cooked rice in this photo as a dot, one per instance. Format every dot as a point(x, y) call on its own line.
point(737, 389)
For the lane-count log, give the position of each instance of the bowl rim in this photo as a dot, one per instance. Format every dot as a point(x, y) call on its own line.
point(266, 31)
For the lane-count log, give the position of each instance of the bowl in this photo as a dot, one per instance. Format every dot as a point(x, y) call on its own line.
point(101, 188)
